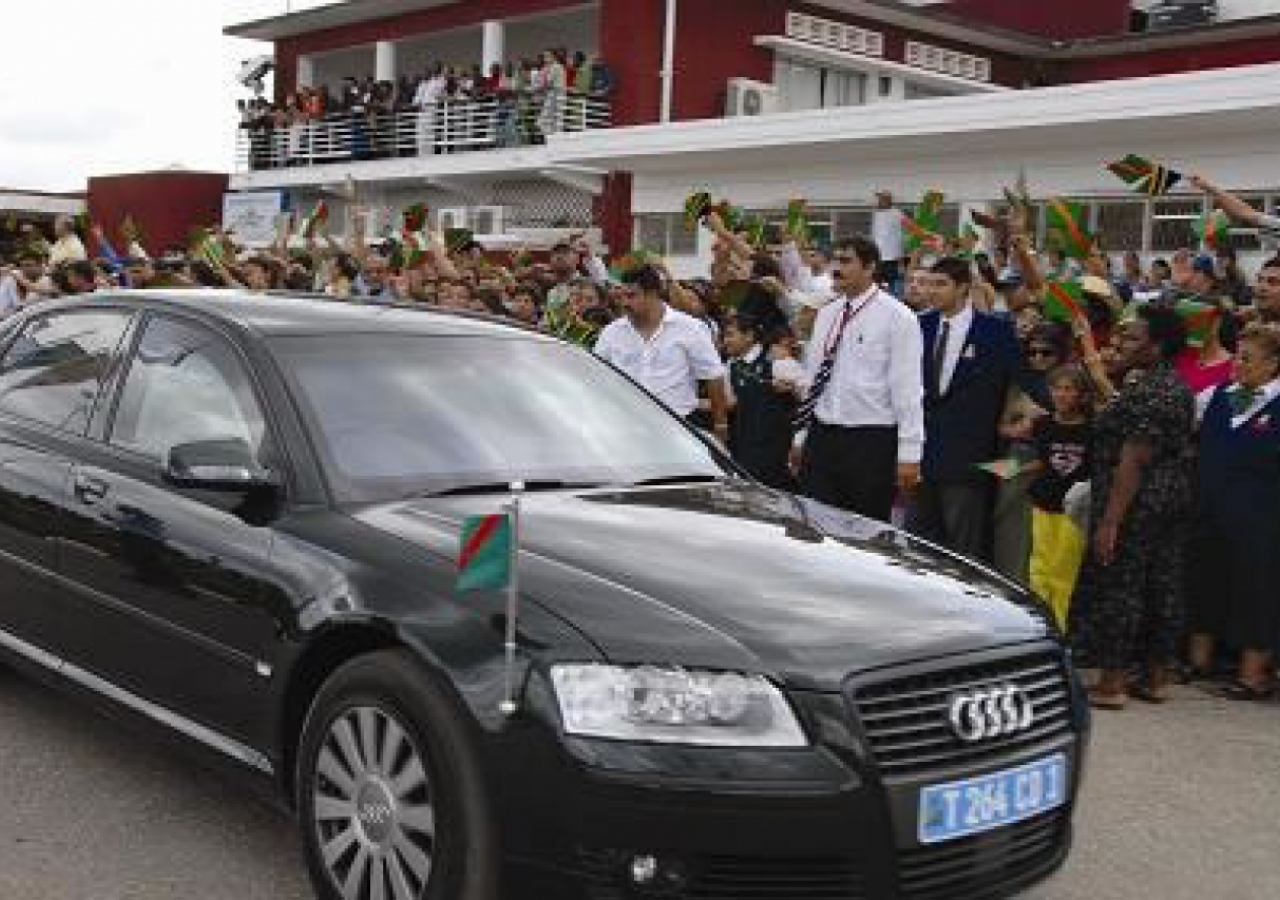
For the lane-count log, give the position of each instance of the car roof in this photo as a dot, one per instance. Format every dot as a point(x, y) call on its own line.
point(287, 313)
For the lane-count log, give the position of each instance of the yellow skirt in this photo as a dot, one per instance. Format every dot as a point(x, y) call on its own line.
point(1057, 550)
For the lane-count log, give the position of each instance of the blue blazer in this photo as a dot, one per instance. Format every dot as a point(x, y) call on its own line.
point(961, 425)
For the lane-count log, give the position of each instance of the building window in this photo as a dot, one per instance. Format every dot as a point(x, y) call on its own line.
point(665, 234)
point(1173, 224)
point(1121, 224)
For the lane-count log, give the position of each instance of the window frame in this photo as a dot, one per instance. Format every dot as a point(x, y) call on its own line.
point(17, 326)
point(277, 449)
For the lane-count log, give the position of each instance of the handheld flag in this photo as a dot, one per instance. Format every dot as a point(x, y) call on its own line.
point(415, 217)
point(1214, 230)
point(696, 209)
point(1066, 229)
point(413, 248)
point(753, 230)
point(484, 558)
point(315, 220)
point(208, 246)
point(1063, 301)
point(923, 225)
point(1144, 176)
point(798, 221)
point(1199, 319)
point(1004, 469)
point(457, 238)
point(968, 242)
point(632, 262)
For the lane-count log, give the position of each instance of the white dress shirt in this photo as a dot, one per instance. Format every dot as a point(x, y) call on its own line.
point(877, 378)
point(781, 370)
point(956, 337)
point(886, 231)
point(1266, 394)
point(669, 364)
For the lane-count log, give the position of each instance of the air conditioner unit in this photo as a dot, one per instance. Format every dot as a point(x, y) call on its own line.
point(487, 220)
point(750, 98)
point(455, 217)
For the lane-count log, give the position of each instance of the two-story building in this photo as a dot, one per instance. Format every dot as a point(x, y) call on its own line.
point(760, 101)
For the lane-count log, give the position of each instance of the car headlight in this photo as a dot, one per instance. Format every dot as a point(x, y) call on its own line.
point(674, 706)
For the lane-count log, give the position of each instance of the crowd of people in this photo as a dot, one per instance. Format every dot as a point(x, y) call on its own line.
point(445, 109)
point(1104, 431)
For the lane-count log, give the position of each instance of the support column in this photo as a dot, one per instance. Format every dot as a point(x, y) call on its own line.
point(493, 41)
point(306, 77)
point(384, 66)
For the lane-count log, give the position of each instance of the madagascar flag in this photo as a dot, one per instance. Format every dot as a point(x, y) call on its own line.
point(1067, 232)
point(798, 221)
point(1144, 176)
point(415, 217)
point(1199, 319)
point(484, 562)
point(922, 226)
point(1063, 301)
point(696, 209)
point(1214, 230)
point(316, 219)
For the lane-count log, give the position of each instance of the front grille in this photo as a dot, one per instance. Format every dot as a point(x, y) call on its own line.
point(733, 878)
point(982, 865)
point(906, 719)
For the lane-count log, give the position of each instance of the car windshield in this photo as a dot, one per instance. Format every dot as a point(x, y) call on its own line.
point(406, 415)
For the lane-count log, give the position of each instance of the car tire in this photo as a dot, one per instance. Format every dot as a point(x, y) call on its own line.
point(389, 789)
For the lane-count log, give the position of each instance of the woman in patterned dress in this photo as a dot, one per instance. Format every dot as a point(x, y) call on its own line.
point(1128, 608)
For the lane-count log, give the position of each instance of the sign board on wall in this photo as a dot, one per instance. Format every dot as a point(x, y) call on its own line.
point(252, 215)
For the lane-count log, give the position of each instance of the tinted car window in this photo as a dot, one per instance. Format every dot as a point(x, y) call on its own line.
point(53, 370)
point(401, 414)
point(185, 384)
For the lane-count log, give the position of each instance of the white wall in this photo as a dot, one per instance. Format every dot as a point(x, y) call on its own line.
point(1229, 10)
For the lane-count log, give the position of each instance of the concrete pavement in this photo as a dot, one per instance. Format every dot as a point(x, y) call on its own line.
point(1180, 804)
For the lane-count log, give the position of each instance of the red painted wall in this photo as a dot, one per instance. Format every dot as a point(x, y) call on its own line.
point(631, 42)
point(1063, 19)
point(612, 210)
point(455, 15)
point(166, 205)
point(1165, 62)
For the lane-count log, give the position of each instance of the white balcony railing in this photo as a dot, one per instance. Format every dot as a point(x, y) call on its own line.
point(451, 126)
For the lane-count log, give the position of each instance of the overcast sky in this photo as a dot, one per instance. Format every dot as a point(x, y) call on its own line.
point(120, 86)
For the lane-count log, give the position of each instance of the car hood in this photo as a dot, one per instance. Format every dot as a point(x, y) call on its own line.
point(735, 576)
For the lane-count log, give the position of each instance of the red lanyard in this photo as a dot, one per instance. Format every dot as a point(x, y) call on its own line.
point(833, 339)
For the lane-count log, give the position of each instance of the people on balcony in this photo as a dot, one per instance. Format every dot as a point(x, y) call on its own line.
point(445, 109)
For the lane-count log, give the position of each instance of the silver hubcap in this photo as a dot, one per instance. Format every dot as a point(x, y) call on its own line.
point(373, 808)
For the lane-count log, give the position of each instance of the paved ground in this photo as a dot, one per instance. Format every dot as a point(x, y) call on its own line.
point(1180, 805)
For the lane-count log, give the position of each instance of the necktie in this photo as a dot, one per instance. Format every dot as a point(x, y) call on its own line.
point(940, 357)
point(804, 414)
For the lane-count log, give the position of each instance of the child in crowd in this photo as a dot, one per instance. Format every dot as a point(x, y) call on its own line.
point(1062, 460)
point(764, 381)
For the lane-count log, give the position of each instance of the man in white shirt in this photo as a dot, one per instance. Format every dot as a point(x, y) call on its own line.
point(665, 351)
point(25, 284)
point(886, 231)
point(863, 404)
point(431, 90)
point(67, 246)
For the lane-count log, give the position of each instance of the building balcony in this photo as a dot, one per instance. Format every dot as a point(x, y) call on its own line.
point(442, 129)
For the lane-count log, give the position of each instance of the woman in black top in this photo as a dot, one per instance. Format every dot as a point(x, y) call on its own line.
point(1128, 608)
point(765, 401)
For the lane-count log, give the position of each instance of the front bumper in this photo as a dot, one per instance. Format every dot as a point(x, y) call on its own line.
point(614, 821)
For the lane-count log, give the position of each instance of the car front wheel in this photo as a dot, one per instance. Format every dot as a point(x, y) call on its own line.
point(390, 797)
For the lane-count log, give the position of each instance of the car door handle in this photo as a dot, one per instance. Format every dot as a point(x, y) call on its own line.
point(89, 490)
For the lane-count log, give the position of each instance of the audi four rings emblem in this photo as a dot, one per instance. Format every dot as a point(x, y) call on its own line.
point(990, 713)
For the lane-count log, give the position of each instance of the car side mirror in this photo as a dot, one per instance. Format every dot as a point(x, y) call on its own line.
point(225, 465)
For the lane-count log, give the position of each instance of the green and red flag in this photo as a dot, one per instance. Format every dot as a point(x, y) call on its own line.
point(1199, 319)
point(315, 220)
point(413, 248)
point(1066, 229)
point(1063, 301)
point(968, 242)
point(484, 558)
point(208, 246)
point(1214, 230)
point(415, 217)
point(923, 225)
point(753, 230)
point(798, 221)
point(632, 262)
point(696, 209)
point(1004, 469)
point(1144, 176)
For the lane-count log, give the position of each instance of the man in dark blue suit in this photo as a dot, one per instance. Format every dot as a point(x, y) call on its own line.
point(970, 359)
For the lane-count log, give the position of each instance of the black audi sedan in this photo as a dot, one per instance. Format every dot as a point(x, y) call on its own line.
point(236, 520)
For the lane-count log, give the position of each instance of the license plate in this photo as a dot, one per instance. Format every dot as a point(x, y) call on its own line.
point(975, 805)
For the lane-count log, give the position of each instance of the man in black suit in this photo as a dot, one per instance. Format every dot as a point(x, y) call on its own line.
point(970, 359)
